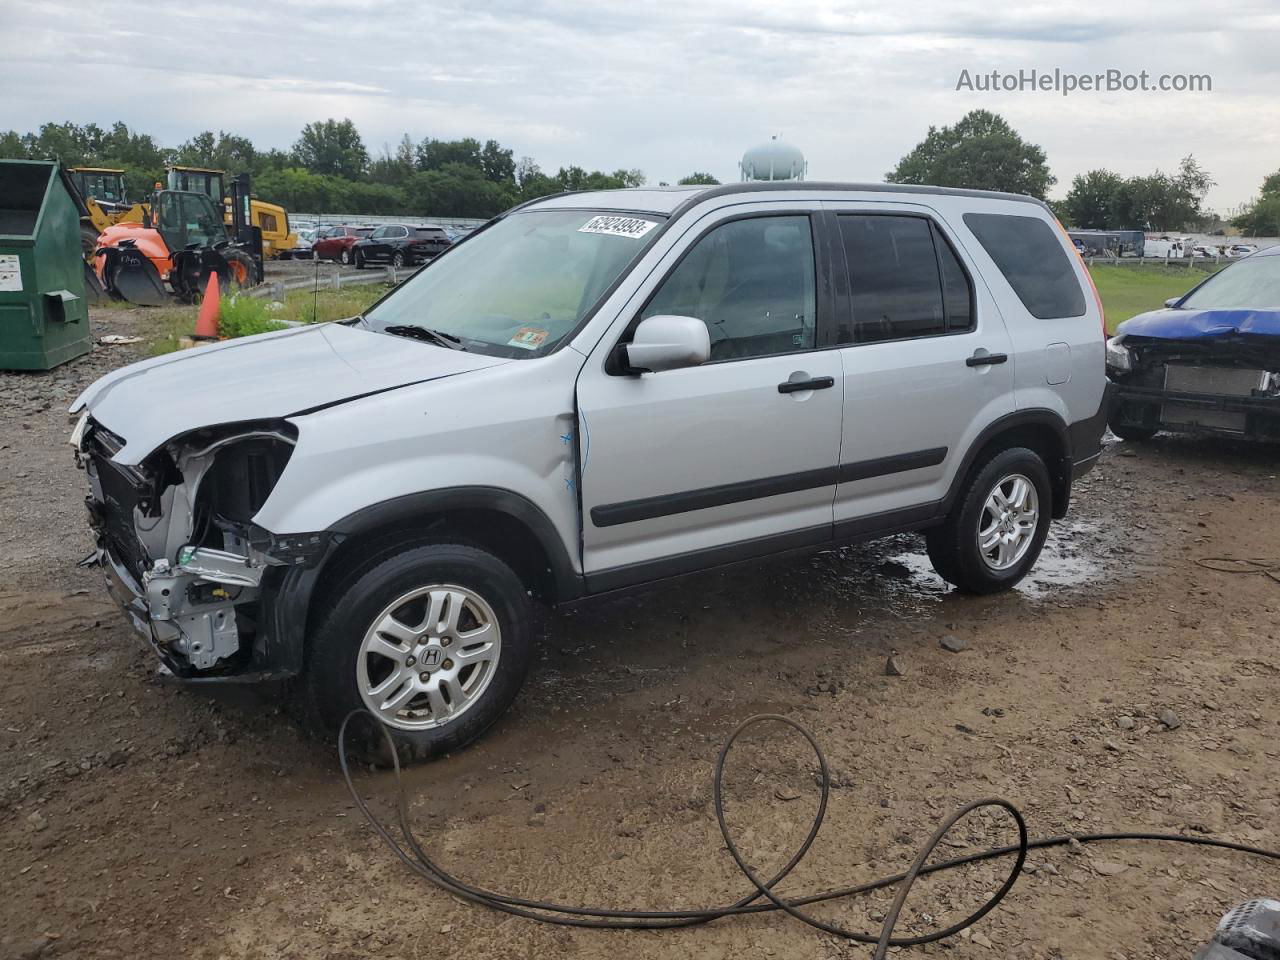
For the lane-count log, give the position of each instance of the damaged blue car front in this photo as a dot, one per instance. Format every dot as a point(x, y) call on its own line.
point(1207, 363)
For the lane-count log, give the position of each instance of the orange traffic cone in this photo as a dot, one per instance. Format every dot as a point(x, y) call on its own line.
point(207, 322)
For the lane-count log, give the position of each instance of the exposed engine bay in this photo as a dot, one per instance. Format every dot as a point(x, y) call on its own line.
point(1226, 384)
point(176, 537)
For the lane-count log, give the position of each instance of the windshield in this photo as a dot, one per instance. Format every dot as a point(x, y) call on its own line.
point(521, 286)
point(1252, 284)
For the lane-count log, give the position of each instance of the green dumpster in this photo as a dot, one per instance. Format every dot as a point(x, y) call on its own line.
point(44, 317)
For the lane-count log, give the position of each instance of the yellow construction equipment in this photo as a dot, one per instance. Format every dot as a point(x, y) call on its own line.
point(102, 189)
point(272, 219)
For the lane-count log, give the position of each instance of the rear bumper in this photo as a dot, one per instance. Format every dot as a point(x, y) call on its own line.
point(1085, 436)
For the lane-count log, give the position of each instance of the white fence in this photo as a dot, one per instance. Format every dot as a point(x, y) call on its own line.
point(457, 223)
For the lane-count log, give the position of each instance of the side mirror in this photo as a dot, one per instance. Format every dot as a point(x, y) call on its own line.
point(1172, 302)
point(667, 343)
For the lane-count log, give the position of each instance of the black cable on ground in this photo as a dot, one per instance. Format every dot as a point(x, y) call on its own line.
point(417, 859)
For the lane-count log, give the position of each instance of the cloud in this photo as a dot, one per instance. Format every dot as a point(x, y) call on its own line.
point(669, 86)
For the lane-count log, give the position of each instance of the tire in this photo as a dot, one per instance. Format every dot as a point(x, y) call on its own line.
point(242, 270)
point(337, 671)
point(397, 260)
point(954, 547)
point(1133, 434)
point(315, 255)
point(88, 241)
point(345, 256)
point(358, 257)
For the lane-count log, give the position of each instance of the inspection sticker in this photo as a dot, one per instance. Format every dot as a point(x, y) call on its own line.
point(633, 227)
point(528, 338)
point(10, 273)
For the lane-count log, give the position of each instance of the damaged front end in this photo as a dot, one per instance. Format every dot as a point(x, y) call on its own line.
point(180, 550)
point(1226, 384)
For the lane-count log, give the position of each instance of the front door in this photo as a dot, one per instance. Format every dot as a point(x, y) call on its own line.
point(687, 468)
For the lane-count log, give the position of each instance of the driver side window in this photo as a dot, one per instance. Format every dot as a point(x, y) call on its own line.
point(378, 234)
point(752, 282)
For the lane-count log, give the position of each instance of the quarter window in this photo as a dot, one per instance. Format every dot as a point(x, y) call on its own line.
point(905, 281)
point(1030, 255)
point(752, 282)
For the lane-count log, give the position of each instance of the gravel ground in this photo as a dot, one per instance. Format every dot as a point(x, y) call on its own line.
point(1122, 686)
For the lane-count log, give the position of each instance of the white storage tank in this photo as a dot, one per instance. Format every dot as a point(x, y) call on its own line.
point(773, 160)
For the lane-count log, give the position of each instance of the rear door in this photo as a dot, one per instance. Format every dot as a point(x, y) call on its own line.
point(687, 468)
point(925, 357)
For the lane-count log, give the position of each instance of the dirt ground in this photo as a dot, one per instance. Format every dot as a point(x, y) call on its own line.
point(141, 819)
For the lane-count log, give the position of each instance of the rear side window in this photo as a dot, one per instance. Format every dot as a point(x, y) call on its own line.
point(904, 280)
point(1029, 254)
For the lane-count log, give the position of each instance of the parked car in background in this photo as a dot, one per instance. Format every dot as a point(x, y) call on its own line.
point(1241, 249)
point(306, 238)
point(335, 243)
point(400, 245)
point(598, 390)
point(1209, 362)
point(1202, 252)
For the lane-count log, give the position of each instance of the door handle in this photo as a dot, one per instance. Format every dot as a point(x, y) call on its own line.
point(816, 383)
point(985, 360)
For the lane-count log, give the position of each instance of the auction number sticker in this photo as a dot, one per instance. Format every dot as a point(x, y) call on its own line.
point(528, 338)
point(10, 273)
point(633, 227)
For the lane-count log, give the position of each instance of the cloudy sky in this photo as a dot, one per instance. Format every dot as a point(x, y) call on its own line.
point(669, 87)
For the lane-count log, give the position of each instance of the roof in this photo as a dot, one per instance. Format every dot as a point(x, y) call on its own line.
point(667, 200)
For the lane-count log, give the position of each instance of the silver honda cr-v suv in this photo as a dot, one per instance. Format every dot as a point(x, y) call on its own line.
point(594, 391)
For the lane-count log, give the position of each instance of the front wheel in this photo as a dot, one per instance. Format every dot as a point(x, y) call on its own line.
point(358, 257)
point(998, 525)
point(1132, 434)
point(397, 260)
point(433, 641)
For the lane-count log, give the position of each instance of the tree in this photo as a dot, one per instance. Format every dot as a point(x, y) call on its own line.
point(698, 178)
point(1091, 201)
point(225, 151)
point(498, 163)
point(982, 152)
point(1261, 218)
point(435, 154)
point(332, 147)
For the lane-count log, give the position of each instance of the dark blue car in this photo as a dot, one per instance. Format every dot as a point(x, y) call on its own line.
point(1208, 363)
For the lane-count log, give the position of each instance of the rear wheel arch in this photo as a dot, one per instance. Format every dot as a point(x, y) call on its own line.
point(1042, 431)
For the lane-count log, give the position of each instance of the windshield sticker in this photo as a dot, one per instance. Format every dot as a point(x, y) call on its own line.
point(632, 227)
point(528, 338)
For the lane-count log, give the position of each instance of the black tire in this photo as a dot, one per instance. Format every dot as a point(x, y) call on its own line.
point(329, 683)
point(243, 272)
point(345, 256)
point(358, 258)
point(1131, 433)
point(397, 260)
point(88, 241)
point(953, 546)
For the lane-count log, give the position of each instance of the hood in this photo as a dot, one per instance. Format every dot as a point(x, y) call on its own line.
point(268, 376)
point(1174, 324)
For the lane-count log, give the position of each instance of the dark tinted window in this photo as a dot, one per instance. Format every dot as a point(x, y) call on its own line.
point(904, 280)
point(752, 282)
point(1030, 255)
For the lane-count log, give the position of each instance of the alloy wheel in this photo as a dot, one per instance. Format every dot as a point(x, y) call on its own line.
point(1008, 522)
point(428, 657)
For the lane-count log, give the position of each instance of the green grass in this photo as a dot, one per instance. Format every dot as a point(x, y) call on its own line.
point(1127, 291)
point(243, 316)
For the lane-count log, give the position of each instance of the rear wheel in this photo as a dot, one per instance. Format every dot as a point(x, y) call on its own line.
point(433, 641)
point(998, 525)
point(345, 256)
point(315, 254)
